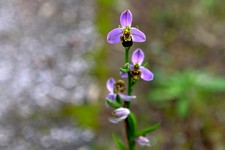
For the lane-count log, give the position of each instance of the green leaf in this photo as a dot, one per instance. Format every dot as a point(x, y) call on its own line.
point(182, 107)
point(147, 130)
point(119, 143)
point(168, 95)
point(132, 124)
point(113, 104)
point(131, 127)
point(145, 65)
point(211, 84)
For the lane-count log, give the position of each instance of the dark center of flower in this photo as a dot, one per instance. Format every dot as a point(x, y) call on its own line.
point(126, 34)
point(136, 72)
point(119, 86)
point(126, 37)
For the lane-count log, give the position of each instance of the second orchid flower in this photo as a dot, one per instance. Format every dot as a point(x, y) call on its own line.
point(136, 69)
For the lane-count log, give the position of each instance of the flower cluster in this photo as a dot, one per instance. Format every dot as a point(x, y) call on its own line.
point(132, 71)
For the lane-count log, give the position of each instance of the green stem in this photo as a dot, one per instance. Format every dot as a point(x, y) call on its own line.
point(128, 104)
point(127, 54)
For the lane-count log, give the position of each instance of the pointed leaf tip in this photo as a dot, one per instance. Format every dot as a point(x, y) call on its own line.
point(119, 143)
point(147, 130)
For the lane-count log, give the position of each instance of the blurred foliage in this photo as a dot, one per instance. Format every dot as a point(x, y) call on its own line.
point(186, 88)
point(103, 24)
point(99, 69)
point(103, 16)
point(86, 115)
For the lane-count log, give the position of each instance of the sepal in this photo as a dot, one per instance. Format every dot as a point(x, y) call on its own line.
point(113, 104)
point(146, 65)
point(125, 68)
point(118, 100)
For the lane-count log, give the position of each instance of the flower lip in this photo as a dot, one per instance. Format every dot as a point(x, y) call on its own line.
point(126, 18)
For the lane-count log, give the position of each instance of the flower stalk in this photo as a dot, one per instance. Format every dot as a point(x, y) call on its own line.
point(133, 72)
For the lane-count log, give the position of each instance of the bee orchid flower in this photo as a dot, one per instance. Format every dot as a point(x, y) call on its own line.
point(136, 70)
point(125, 32)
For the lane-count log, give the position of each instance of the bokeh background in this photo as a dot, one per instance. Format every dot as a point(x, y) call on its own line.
point(54, 62)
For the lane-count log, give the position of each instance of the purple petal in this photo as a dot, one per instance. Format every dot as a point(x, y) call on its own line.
point(137, 56)
point(127, 97)
point(123, 75)
point(120, 112)
point(143, 141)
point(110, 85)
point(114, 35)
point(131, 67)
point(137, 35)
point(126, 18)
point(146, 74)
point(116, 120)
point(111, 97)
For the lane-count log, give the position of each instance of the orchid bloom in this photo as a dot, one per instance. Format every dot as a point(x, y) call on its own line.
point(119, 115)
point(136, 70)
point(125, 32)
point(143, 141)
point(115, 88)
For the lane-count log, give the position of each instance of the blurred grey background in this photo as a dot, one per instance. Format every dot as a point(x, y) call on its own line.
point(42, 66)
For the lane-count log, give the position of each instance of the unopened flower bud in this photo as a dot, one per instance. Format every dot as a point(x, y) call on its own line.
point(119, 115)
point(143, 141)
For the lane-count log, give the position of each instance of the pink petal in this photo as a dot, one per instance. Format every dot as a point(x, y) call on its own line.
point(110, 85)
point(116, 120)
point(114, 35)
point(127, 97)
point(137, 35)
point(137, 57)
point(146, 74)
point(143, 141)
point(111, 97)
point(126, 18)
point(123, 75)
